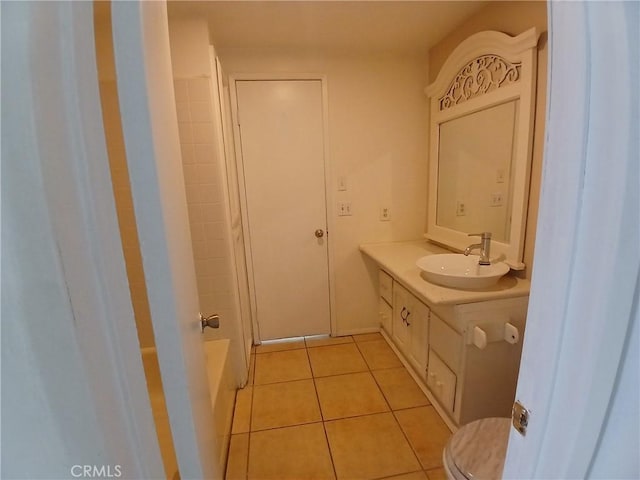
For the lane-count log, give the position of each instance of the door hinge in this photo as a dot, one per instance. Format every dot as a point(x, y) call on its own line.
point(520, 417)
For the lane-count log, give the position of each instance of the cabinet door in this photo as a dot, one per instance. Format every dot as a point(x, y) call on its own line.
point(441, 381)
point(419, 336)
point(401, 315)
point(386, 315)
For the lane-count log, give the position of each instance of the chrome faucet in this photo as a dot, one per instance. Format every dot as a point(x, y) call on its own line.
point(484, 246)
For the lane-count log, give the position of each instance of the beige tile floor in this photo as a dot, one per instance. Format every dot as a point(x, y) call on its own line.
point(344, 408)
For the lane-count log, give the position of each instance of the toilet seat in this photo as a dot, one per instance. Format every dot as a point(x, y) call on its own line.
point(477, 450)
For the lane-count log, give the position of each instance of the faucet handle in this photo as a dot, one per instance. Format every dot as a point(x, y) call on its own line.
point(483, 235)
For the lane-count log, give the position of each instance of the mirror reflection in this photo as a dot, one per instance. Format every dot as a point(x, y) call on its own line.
point(475, 180)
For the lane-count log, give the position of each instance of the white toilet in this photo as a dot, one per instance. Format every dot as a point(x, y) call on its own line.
point(477, 450)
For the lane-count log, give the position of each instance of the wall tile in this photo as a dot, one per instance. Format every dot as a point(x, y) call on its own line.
point(203, 132)
point(185, 132)
point(212, 212)
point(214, 230)
point(191, 176)
point(211, 193)
point(193, 196)
point(204, 153)
point(205, 285)
point(221, 284)
point(199, 250)
point(197, 232)
point(182, 110)
point(188, 153)
point(200, 111)
point(218, 266)
point(206, 173)
point(195, 213)
point(199, 90)
point(180, 87)
point(216, 248)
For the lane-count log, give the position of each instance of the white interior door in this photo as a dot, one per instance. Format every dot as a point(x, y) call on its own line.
point(579, 370)
point(282, 141)
point(149, 121)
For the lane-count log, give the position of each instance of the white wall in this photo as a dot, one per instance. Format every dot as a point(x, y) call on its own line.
point(189, 47)
point(377, 141)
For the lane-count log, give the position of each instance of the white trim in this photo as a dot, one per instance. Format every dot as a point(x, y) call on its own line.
point(239, 165)
point(216, 90)
point(587, 260)
point(521, 50)
point(481, 43)
point(329, 204)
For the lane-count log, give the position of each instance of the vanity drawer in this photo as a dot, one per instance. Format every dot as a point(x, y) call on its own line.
point(441, 381)
point(386, 315)
point(445, 341)
point(386, 286)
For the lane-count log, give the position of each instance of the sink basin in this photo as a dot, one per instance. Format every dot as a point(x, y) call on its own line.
point(458, 271)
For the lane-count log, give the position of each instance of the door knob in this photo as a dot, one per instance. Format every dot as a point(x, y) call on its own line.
point(212, 321)
point(319, 233)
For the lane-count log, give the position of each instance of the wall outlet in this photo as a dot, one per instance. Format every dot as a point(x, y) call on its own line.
point(385, 214)
point(461, 210)
point(342, 184)
point(344, 209)
point(497, 199)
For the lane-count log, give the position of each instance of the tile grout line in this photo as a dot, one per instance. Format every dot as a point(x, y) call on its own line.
point(415, 454)
point(246, 473)
point(375, 381)
point(324, 427)
point(393, 412)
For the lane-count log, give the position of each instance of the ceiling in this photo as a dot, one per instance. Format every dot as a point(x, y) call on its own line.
point(344, 26)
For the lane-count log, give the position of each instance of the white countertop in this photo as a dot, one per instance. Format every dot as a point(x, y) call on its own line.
point(399, 260)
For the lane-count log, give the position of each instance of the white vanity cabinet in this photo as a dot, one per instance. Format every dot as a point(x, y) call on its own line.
point(464, 345)
point(479, 344)
point(410, 327)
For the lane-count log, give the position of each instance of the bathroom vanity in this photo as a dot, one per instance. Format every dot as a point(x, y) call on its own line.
point(463, 345)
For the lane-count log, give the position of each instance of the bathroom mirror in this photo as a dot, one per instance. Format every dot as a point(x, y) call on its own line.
point(481, 131)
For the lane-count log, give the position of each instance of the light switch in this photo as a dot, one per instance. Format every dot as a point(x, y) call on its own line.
point(344, 209)
point(500, 175)
point(497, 199)
point(342, 183)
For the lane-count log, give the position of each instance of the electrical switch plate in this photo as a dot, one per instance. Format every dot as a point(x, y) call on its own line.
point(497, 199)
point(344, 209)
point(342, 184)
point(500, 175)
point(461, 210)
point(385, 214)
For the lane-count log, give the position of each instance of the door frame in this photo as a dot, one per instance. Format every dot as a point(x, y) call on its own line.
point(329, 199)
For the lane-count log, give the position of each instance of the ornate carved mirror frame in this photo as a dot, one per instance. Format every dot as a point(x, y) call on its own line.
point(487, 69)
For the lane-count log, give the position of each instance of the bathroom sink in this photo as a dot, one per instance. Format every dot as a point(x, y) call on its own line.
point(458, 271)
